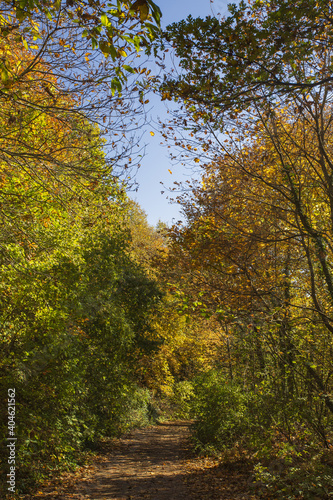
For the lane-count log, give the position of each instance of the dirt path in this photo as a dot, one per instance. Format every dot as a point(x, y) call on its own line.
point(156, 463)
point(145, 465)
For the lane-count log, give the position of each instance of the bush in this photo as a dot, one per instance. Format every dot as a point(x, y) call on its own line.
point(140, 410)
point(221, 410)
point(182, 400)
point(307, 480)
point(291, 462)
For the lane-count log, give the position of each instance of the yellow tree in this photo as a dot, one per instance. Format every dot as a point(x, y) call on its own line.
point(53, 69)
point(255, 249)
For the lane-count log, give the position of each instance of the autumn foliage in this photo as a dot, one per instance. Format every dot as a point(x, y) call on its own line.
point(226, 317)
point(254, 251)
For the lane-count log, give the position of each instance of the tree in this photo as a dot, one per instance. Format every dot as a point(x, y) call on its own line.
point(262, 48)
point(251, 91)
point(241, 257)
point(76, 310)
point(53, 71)
point(109, 26)
point(256, 247)
point(76, 307)
point(146, 241)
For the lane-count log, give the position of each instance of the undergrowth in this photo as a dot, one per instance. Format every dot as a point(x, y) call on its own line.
point(290, 460)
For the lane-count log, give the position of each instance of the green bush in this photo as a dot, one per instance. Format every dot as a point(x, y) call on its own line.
point(138, 410)
point(221, 410)
point(182, 400)
point(307, 480)
point(291, 462)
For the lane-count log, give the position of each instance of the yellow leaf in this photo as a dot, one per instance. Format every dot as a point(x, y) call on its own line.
point(152, 133)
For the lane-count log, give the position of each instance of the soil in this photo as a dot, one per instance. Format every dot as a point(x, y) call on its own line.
point(156, 463)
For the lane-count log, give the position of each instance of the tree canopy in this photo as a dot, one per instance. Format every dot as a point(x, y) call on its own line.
point(261, 48)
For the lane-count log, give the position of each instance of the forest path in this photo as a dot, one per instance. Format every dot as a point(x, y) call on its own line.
point(146, 464)
point(156, 463)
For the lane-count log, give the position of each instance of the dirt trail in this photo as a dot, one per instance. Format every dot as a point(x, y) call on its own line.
point(156, 463)
point(145, 465)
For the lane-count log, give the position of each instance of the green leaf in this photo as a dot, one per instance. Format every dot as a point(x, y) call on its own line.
point(129, 68)
point(4, 74)
point(105, 20)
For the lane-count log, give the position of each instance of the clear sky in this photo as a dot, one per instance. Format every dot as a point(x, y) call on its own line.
point(156, 162)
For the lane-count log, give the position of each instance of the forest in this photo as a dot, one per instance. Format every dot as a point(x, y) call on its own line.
point(224, 318)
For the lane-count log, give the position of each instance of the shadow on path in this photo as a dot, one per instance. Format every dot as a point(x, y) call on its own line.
point(146, 465)
point(155, 463)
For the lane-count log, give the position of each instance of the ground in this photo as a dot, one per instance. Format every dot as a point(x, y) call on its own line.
point(155, 463)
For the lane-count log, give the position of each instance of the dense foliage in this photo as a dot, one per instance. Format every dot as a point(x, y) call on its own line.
point(90, 334)
point(76, 305)
point(227, 317)
point(255, 250)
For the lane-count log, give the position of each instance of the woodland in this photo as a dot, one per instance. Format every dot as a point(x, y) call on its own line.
point(225, 318)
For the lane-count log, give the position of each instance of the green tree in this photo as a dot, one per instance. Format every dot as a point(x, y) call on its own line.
point(76, 306)
point(111, 27)
point(261, 49)
point(75, 313)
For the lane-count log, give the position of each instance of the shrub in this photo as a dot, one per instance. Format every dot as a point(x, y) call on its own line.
point(307, 480)
point(182, 399)
point(222, 412)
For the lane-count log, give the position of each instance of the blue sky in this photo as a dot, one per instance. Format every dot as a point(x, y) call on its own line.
point(156, 163)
